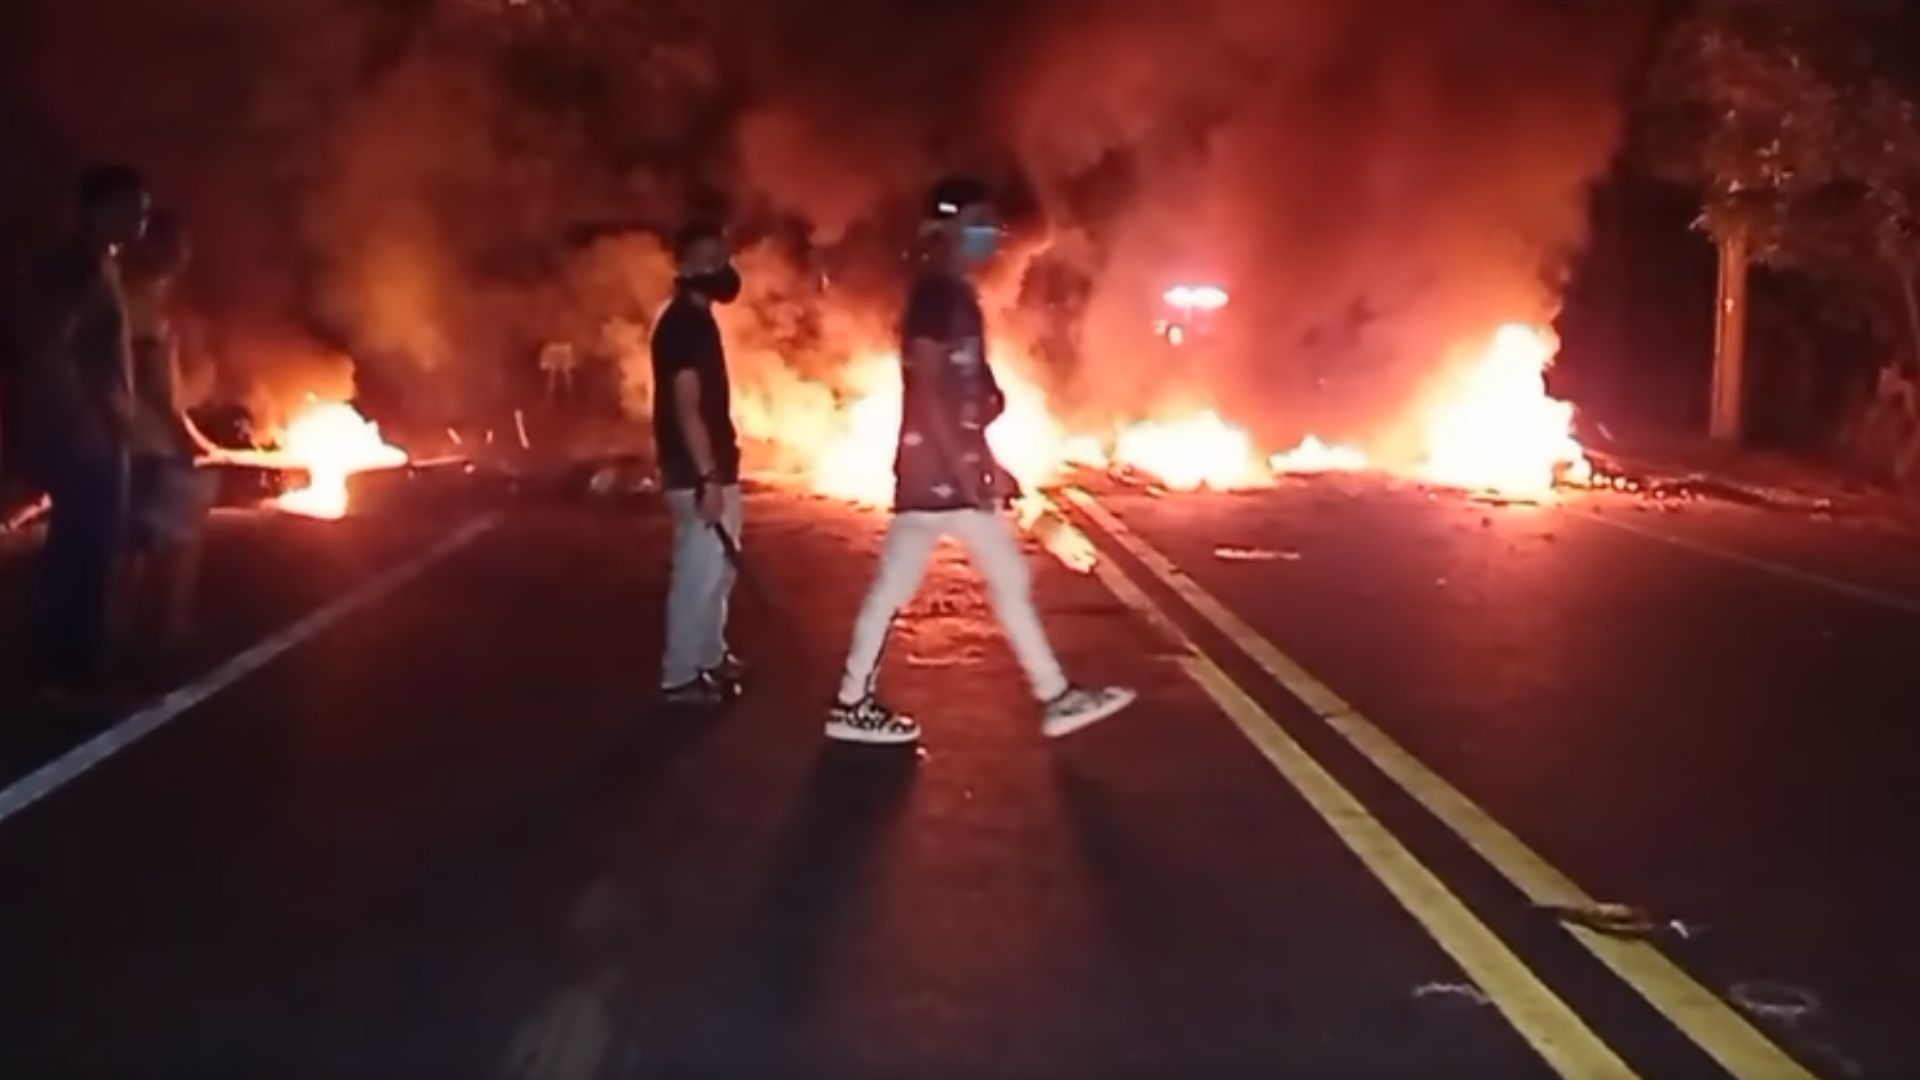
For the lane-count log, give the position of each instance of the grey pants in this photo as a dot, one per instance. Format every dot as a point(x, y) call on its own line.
point(990, 541)
point(702, 581)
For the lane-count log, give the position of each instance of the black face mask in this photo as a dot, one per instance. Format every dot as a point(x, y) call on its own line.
point(722, 286)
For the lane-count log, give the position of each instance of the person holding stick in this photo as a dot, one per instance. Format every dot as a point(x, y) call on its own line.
point(699, 459)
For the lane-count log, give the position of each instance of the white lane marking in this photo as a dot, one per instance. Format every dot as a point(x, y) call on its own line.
point(1866, 594)
point(63, 770)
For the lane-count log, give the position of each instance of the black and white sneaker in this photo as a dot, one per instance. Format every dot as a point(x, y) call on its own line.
point(700, 692)
point(1079, 707)
point(868, 721)
point(730, 673)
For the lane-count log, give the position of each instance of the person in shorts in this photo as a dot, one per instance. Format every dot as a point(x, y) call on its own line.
point(168, 497)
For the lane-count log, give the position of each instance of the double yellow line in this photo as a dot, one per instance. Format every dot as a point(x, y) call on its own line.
point(1548, 1024)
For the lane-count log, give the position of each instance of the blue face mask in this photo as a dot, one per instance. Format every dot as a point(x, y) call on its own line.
point(978, 243)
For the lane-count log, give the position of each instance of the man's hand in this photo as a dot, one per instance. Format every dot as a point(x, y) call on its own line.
point(710, 502)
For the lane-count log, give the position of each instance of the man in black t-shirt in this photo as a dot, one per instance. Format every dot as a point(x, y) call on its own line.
point(74, 380)
point(699, 460)
point(948, 484)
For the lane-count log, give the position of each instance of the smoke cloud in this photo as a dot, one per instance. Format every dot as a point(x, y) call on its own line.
point(434, 189)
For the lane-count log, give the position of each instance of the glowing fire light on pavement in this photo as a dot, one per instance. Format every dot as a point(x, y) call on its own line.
point(331, 441)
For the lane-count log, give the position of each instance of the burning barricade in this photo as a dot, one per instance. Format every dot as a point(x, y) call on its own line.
point(1492, 427)
point(326, 442)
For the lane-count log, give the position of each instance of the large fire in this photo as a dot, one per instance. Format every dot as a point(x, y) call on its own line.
point(1313, 456)
point(1492, 427)
point(331, 441)
point(1498, 430)
point(857, 463)
point(1190, 453)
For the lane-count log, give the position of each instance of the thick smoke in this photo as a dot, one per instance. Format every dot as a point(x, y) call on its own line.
point(435, 189)
point(1374, 181)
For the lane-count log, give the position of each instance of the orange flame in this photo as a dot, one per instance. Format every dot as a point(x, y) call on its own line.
point(331, 441)
point(857, 463)
point(1497, 429)
point(1313, 456)
point(1492, 428)
point(1194, 452)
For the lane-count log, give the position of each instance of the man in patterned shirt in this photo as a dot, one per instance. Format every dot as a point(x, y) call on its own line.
point(948, 484)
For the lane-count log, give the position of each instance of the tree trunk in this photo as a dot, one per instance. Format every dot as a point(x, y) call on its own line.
point(1730, 340)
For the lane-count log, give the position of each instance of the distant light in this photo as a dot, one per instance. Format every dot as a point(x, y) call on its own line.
point(1197, 297)
point(1177, 334)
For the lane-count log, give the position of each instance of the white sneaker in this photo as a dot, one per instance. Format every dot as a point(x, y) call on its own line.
point(868, 721)
point(1078, 708)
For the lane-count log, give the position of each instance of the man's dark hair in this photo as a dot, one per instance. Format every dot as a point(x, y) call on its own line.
point(955, 193)
point(103, 184)
point(697, 232)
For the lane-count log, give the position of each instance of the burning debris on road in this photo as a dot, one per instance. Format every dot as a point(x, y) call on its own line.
point(328, 442)
point(1493, 428)
point(331, 441)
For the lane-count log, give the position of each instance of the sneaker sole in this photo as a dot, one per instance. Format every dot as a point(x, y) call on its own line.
point(1060, 729)
point(684, 700)
point(847, 733)
point(705, 705)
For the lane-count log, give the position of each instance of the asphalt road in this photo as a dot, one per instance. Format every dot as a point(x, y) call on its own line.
point(416, 815)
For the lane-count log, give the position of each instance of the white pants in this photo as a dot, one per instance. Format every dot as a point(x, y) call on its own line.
point(995, 551)
point(702, 581)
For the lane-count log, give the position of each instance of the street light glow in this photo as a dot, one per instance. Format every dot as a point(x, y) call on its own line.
point(1197, 297)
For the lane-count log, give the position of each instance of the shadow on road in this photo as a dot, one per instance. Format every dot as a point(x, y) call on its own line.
point(1135, 883)
point(852, 799)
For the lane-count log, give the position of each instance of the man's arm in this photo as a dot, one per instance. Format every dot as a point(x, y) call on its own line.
point(693, 426)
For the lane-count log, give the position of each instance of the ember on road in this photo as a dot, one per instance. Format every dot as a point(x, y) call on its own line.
point(1455, 788)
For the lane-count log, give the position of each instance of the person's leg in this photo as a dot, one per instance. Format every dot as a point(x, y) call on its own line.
point(713, 648)
point(168, 505)
point(698, 563)
point(83, 546)
point(996, 553)
point(190, 497)
point(181, 578)
point(903, 560)
point(1068, 708)
point(55, 645)
point(107, 541)
point(139, 606)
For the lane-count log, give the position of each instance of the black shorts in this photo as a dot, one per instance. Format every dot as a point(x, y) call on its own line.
point(167, 499)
